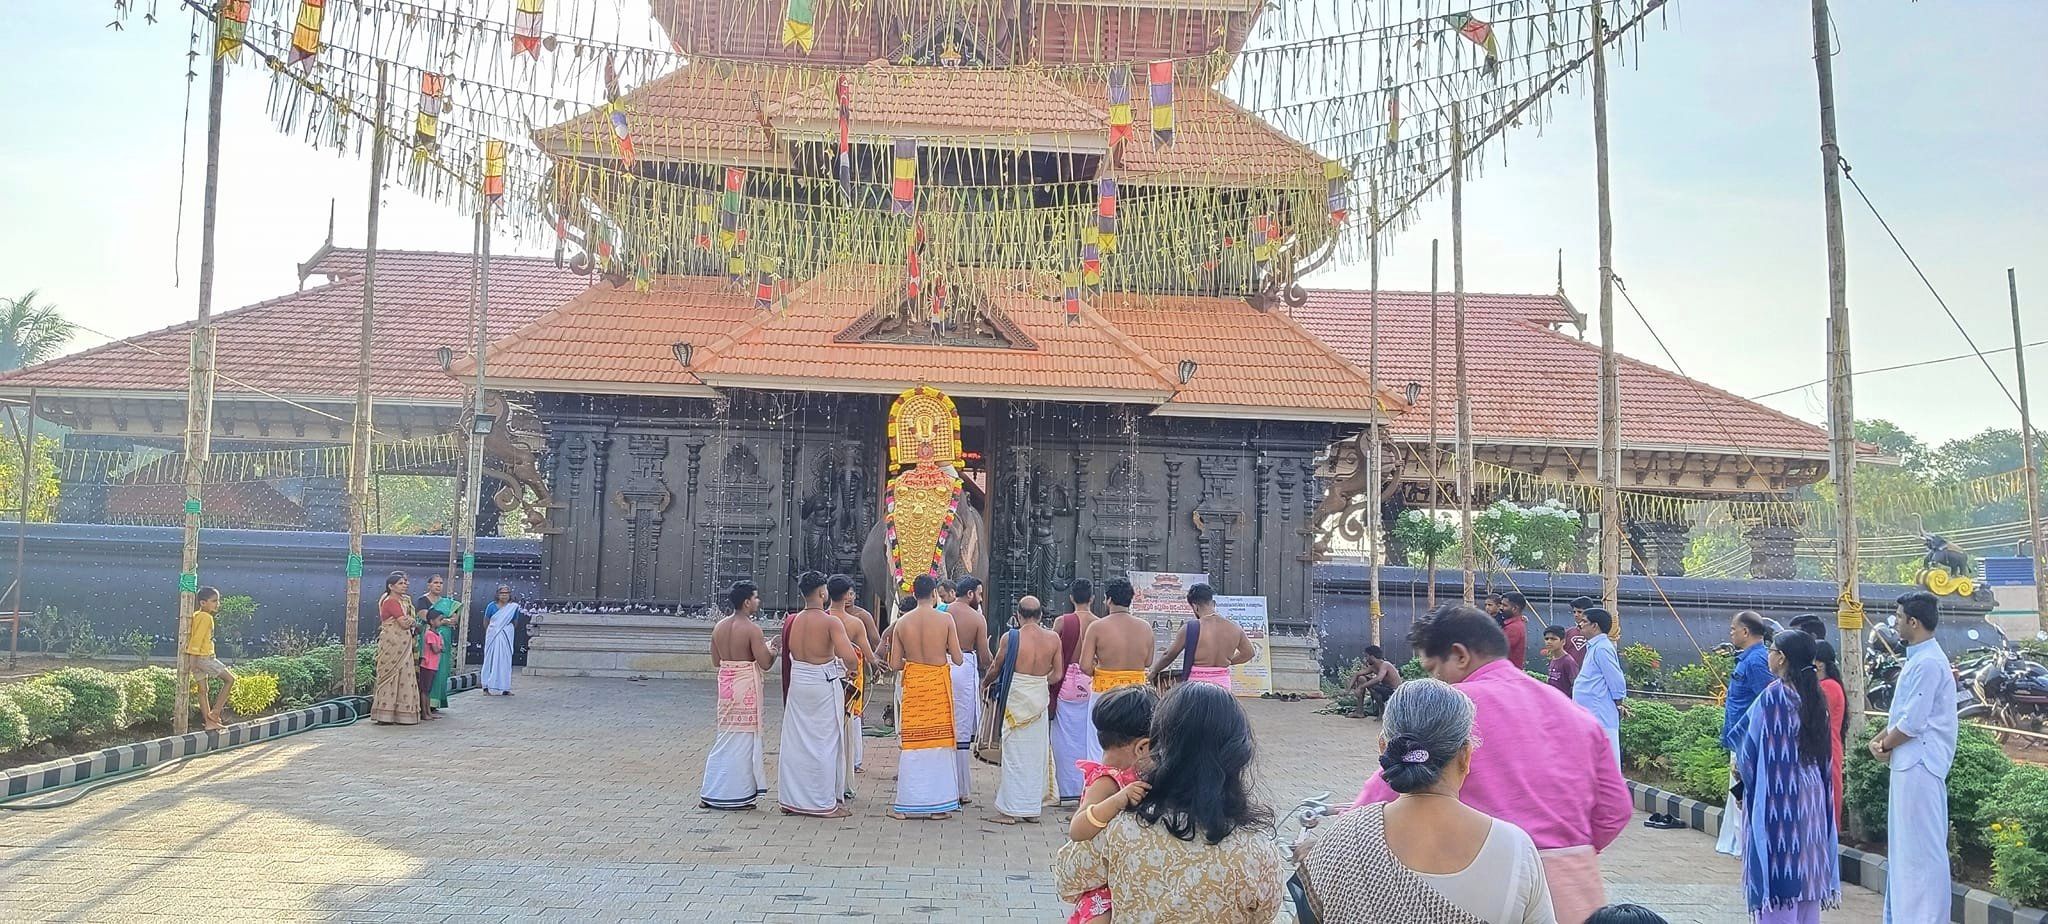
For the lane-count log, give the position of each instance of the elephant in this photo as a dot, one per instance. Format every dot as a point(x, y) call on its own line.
point(966, 553)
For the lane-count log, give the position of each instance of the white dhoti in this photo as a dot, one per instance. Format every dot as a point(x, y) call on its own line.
point(966, 712)
point(1916, 882)
point(1073, 733)
point(733, 773)
point(809, 771)
point(1730, 839)
point(925, 781)
point(1026, 747)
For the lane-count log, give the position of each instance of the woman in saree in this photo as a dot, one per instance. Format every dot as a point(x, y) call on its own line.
point(1782, 755)
point(498, 637)
point(449, 611)
point(396, 700)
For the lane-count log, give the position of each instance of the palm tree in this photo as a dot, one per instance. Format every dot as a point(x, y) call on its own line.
point(31, 332)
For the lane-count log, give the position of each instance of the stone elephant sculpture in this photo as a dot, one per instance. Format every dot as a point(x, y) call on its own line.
point(966, 553)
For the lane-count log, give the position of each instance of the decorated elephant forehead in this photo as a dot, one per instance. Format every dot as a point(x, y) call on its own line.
point(924, 428)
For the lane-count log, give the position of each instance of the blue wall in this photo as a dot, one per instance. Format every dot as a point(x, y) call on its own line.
point(1678, 616)
point(126, 577)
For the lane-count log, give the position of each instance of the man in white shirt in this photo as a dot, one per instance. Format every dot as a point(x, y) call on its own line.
point(1919, 741)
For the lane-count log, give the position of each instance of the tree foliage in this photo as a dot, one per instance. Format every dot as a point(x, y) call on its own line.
point(31, 331)
point(42, 490)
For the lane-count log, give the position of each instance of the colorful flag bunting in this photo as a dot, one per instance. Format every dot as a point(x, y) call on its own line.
point(903, 189)
point(1105, 213)
point(1091, 256)
point(624, 134)
point(426, 128)
point(800, 25)
point(736, 267)
point(1340, 191)
point(729, 206)
point(1162, 104)
point(764, 285)
point(234, 27)
point(1073, 297)
point(707, 217)
point(1119, 104)
point(494, 170)
point(1262, 239)
point(1478, 32)
point(938, 304)
point(526, 28)
point(306, 34)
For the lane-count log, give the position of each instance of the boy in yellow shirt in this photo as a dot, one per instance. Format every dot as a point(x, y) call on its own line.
point(199, 659)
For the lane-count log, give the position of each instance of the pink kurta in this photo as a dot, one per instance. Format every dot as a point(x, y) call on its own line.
point(1538, 752)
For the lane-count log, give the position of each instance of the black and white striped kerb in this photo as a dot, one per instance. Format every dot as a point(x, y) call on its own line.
point(1860, 868)
point(465, 681)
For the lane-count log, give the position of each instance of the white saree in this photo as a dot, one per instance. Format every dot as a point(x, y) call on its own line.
point(497, 671)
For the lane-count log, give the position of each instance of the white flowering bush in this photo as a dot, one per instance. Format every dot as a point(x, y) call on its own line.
point(1539, 537)
point(1426, 535)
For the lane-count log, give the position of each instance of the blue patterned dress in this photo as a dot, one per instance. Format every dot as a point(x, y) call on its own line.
point(1789, 866)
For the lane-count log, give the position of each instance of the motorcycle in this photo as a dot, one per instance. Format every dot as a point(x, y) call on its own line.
point(2011, 689)
point(1884, 652)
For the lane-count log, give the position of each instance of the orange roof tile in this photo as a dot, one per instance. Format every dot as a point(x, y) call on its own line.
point(699, 113)
point(957, 102)
point(303, 344)
point(1215, 141)
point(621, 339)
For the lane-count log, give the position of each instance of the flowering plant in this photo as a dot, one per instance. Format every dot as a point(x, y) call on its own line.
point(1426, 535)
point(1540, 537)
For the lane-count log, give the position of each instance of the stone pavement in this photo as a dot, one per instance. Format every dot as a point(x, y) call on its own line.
point(575, 800)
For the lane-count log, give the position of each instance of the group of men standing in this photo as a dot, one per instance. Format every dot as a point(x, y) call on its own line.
point(1040, 680)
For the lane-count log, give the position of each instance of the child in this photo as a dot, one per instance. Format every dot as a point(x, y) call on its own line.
point(1123, 722)
point(1563, 670)
point(430, 663)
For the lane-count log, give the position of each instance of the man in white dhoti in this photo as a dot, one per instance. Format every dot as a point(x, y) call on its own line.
point(972, 628)
point(924, 647)
point(503, 613)
point(1026, 662)
point(1919, 741)
point(733, 773)
point(810, 775)
point(839, 592)
point(1073, 731)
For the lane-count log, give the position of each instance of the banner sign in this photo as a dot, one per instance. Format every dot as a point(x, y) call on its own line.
point(1161, 598)
point(1253, 677)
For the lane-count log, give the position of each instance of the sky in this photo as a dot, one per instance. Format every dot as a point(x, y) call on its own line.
point(1715, 176)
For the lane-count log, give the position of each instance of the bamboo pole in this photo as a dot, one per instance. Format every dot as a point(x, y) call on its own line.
point(1464, 466)
point(1610, 365)
point(199, 394)
point(1373, 517)
point(1435, 448)
point(1841, 396)
point(2030, 448)
point(461, 492)
point(474, 476)
point(359, 434)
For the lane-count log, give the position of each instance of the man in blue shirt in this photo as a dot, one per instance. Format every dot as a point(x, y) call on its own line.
point(1751, 637)
point(1919, 742)
point(1600, 686)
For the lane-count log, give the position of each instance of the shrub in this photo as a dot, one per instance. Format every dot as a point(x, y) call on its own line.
point(294, 682)
point(1696, 726)
point(43, 708)
point(231, 625)
point(2020, 872)
point(1691, 680)
point(89, 644)
point(13, 726)
point(1866, 783)
point(1702, 772)
point(1973, 781)
point(2016, 820)
point(1641, 666)
point(96, 701)
point(138, 697)
point(253, 693)
point(320, 673)
point(164, 682)
point(1648, 731)
point(1413, 670)
point(139, 643)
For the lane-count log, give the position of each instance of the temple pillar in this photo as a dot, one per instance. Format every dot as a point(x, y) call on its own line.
point(1660, 547)
point(326, 503)
point(82, 494)
point(1770, 550)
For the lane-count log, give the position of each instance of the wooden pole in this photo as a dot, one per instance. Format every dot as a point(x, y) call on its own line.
point(474, 476)
point(28, 477)
point(1464, 467)
point(359, 436)
point(461, 492)
point(1610, 366)
point(199, 394)
point(1435, 449)
point(2029, 445)
point(1372, 374)
point(1841, 398)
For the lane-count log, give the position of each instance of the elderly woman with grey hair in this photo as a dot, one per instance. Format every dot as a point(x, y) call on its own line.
point(1425, 856)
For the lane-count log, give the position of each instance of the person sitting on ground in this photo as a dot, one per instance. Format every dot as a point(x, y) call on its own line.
point(1123, 722)
point(1198, 848)
point(200, 662)
point(1563, 669)
point(1374, 682)
point(1425, 856)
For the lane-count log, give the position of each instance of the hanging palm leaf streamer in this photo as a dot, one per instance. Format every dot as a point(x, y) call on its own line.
point(1162, 104)
point(526, 28)
point(1120, 129)
point(1479, 33)
point(306, 33)
point(800, 25)
point(1393, 115)
point(234, 27)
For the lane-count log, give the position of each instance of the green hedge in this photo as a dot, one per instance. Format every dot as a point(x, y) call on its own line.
point(2016, 821)
point(43, 709)
point(13, 726)
point(98, 704)
point(1980, 767)
point(1648, 731)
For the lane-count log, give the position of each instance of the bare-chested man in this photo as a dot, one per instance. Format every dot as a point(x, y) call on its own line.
point(840, 591)
point(1024, 696)
point(1073, 695)
point(968, 621)
point(1219, 643)
point(811, 775)
point(733, 773)
point(1116, 649)
point(924, 646)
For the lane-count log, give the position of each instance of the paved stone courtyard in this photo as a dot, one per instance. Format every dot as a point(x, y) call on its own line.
point(575, 800)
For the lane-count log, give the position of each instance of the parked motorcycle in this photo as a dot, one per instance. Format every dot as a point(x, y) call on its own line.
point(1884, 652)
point(2011, 689)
